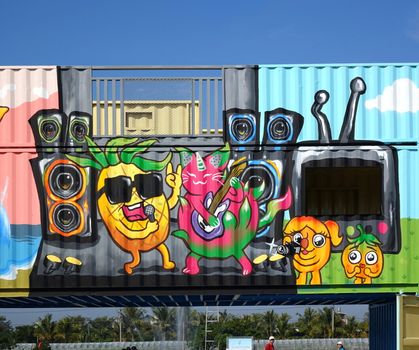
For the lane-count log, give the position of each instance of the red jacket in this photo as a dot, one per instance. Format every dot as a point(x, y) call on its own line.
point(269, 346)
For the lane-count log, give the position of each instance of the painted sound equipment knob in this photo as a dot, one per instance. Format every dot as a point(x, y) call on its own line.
point(51, 263)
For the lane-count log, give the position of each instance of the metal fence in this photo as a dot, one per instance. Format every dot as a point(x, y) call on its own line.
point(290, 344)
point(157, 101)
point(315, 344)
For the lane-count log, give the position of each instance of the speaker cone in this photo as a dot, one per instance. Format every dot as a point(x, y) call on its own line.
point(66, 217)
point(65, 180)
point(256, 175)
point(79, 129)
point(243, 127)
point(279, 129)
point(49, 128)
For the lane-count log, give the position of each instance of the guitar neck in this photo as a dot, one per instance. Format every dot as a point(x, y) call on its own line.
point(218, 197)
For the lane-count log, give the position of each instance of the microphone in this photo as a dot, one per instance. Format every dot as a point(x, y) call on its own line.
point(149, 211)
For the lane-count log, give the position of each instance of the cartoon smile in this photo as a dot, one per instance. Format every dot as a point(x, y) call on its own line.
point(305, 252)
point(134, 212)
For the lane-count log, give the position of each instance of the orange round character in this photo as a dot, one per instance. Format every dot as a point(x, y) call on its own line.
point(315, 239)
point(363, 257)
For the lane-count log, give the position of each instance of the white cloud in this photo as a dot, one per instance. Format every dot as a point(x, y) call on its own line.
point(6, 89)
point(402, 96)
point(40, 92)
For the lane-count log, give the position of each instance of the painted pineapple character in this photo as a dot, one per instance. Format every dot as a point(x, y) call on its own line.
point(363, 257)
point(131, 200)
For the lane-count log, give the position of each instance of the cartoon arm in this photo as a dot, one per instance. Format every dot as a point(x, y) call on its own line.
point(198, 205)
point(174, 180)
point(235, 192)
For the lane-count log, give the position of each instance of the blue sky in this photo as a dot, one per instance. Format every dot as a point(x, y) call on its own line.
point(186, 32)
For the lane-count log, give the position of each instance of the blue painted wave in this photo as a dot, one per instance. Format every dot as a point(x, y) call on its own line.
point(18, 248)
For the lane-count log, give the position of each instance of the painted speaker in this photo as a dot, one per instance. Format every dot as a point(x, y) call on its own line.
point(66, 190)
point(49, 128)
point(282, 127)
point(273, 163)
point(79, 126)
point(66, 193)
point(241, 127)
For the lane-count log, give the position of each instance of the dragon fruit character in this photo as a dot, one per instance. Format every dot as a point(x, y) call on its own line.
point(219, 215)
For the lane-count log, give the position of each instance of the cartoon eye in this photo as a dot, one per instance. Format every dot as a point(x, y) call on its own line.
point(297, 237)
point(319, 241)
point(371, 258)
point(355, 257)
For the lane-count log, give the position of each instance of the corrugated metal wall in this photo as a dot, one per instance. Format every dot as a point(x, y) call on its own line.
point(383, 326)
point(23, 91)
point(293, 88)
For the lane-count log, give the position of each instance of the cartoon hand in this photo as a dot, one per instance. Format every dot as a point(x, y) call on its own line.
point(213, 221)
point(174, 180)
point(235, 183)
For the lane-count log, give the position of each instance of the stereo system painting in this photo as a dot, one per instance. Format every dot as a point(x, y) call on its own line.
point(259, 203)
point(346, 180)
point(66, 190)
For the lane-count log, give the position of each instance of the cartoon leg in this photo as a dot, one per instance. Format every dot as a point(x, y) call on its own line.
point(246, 265)
point(358, 280)
point(192, 267)
point(135, 262)
point(368, 280)
point(167, 264)
point(302, 278)
point(316, 278)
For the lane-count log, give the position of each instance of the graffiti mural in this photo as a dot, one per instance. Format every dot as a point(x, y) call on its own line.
point(219, 215)
point(315, 240)
point(23, 91)
point(363, 257)
point(131, 200)
point(267, 204)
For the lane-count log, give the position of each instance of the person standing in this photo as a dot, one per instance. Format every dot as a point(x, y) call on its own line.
point(339, 345)
point(270, 344)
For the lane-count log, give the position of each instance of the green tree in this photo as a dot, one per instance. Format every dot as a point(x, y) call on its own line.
point(195, 333)
point(71, 329)
point(132, 319)
point(284, 328)
point(306, 321)
point(100, 330)
point(163, 319)
point(270, 321)
point(25, 334)
point(45, 329)
point(6, 334)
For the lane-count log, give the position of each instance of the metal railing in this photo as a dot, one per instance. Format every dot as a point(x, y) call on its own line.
point(157, 101)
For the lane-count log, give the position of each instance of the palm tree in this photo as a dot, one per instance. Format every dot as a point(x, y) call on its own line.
point(306, 322)
point(270, 320)
point(6, 334)
point(101, 330)
point(25, 334)
point(163, 319)
point(45, 329)
point(132, 319)
point(324, 322)
point(284, 328)
point(71, 329)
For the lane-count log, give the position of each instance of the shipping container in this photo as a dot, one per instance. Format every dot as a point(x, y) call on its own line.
point(109, 189)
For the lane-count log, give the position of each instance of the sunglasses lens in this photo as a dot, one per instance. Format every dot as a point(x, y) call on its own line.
point(149, 185)
point(118, 189)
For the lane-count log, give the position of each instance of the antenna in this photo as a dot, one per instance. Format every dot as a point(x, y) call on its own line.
point(347, 132)
point(320, 99)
